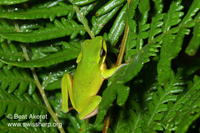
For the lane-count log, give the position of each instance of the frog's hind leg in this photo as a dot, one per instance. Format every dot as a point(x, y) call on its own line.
point(94, 112)
point(66, 88)
point(89, 107)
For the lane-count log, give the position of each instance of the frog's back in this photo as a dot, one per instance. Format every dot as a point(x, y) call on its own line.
point(86, 83)
point(87, 78)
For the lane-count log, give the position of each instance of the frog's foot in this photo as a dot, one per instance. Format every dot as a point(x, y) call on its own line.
point(93, 113)
point(90, 107)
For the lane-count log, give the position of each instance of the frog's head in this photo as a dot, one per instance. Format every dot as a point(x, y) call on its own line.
point(93, 50)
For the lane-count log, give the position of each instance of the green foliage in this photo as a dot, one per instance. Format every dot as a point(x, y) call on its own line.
point(158, 91)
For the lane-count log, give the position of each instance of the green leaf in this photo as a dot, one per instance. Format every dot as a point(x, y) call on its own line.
point(138, 61)
point(157, 101)
point(5, 27)
point(118, 26)
point(136, 120)
point(60, 30)
point(11, 2)
point(11, 52)
point(120, 124)
point(110, 94)
point(51, 79)
point(23, 105)
point(192, 67)
point(168, 53)
point(47, 61)
point(131, 13)
point(144, 6)
point(109, 7)
point(16, 79)
point(43, 51)
point(56, 104)
point(187, 121)
point(183, 105)
point(194, 43)
point(194, 8)
point(99, 22)
point(50, 12)
point(82, 2)
point(172, 43)
point(150, 94)
point(157, 21)
point(117, 83)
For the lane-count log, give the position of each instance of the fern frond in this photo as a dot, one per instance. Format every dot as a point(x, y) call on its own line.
point(109, 6)
point(143, 26)
point(81, 2)
point(10, 51)
point(136, 120)
point(187, 120)
point(48, 12)
point(118, 27)
point(157, 21)
point(51, 76)
point(158, 105)
point(70, 51)
point(5, 27)
point(100, 21)
point(30, 26)
point(166, 52)
point(185, 103)
point(136, 35)
point(12, 79)
point(187, 20)
point(148, 110)
point(171, 42)
point(60, 29)
point(43, 51)
point(21, 104)
point(116, 84)
point(139, 60)
point(47, 61)
point(192, 67)
point(194, 42)
point(119, 121)
point(152, 93)
point(82, 12)
point(131, 40)
point(87, 8)
point(56, 104)
point(11, 2)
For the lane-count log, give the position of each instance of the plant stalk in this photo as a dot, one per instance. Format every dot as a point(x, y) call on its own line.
point(41, 89)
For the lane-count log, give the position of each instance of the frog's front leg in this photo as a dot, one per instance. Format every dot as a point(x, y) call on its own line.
point(106, 73)
point(66, 88)
point(89, 108)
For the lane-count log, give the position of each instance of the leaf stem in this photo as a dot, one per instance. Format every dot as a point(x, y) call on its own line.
point(122, 49)
point(84, 22)
point(41, 89)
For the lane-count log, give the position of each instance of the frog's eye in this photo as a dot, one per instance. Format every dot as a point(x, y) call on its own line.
point(102, 52)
